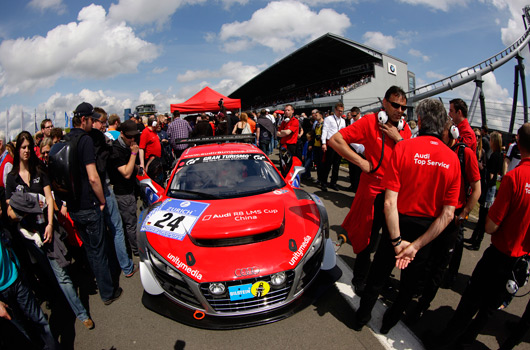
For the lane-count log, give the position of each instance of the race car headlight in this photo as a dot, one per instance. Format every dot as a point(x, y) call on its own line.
point(278, 279)
point(217, 289)
point(160, 265)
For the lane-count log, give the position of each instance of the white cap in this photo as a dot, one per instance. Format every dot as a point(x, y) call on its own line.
point(267, 110)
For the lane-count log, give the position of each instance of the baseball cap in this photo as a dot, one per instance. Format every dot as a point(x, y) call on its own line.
point(128, 128)
point(85, 109)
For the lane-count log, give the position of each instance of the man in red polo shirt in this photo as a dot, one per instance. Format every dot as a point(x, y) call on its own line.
point(510, 240)
point(288, 130)
point(365, 218)
point(458, 112)
point(416, 211)
point(149, 143)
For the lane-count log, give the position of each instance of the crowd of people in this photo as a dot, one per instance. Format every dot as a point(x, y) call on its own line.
point(53, 241)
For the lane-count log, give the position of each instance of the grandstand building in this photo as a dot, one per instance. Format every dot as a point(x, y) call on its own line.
point(325, 71)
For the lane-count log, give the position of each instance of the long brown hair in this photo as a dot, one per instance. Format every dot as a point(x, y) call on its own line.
point(479, 143)
point(496, 141)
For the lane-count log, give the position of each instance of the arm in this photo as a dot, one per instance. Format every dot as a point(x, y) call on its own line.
point(406, 255)
point(340, 146)
point(142, 157)
point(235, 128)
point(95, 183)
point(127, 169)
point(48, 233)
point(257, 134)
point(471, 202)
point(490, 227)
point(3, 311)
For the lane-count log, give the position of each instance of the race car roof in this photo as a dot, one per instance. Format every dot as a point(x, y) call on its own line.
point(217, 149)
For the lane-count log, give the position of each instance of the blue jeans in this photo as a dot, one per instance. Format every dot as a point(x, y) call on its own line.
point(115, 225)
point(89, 223)
point(23, 303)
point(68, 290)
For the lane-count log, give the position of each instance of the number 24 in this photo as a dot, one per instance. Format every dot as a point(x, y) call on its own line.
point(173, 225)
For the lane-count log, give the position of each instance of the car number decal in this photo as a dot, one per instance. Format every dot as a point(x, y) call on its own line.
point(174, 218)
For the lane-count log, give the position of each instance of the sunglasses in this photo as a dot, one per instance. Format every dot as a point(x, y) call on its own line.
point(398, 106)
point(48, 152)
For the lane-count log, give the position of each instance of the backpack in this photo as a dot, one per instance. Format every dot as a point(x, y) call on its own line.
point(64, 169)
point(462, 159)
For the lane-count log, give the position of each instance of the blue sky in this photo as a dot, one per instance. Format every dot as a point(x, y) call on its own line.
point(116, 54)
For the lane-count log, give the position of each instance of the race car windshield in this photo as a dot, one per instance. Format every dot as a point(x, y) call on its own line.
point(224, 176)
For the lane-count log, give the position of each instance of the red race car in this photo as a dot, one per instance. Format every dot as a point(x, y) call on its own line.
point(231, 243)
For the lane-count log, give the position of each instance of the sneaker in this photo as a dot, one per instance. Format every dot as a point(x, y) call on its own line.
point(88, 323)
point(334, 187)
point(135, 269)
point(324, 188)
point(116, 296)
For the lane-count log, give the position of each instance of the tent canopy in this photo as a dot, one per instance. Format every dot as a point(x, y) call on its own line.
point(206, 100)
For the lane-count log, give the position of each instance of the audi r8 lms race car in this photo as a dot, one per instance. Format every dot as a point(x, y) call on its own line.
point(230, 242)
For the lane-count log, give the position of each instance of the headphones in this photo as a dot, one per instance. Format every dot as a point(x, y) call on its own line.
point(382, 118)
point(454, 132)
point(521, 268)
point(287, 120)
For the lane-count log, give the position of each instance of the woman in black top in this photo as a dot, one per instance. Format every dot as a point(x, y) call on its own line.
point(493, 169)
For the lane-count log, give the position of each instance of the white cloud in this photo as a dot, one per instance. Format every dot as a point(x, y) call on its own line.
point(232, 75)
point(442, 5)
point(417, 53)
point(93, 47)
point(159, 70)
point(43, 5)
point(378, 40)
point(515, 26)
point(282, 25)
point(434, 75)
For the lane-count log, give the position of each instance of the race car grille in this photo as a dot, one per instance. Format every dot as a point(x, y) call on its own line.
point(175, 287)
point(274, 296)
point(227, 242)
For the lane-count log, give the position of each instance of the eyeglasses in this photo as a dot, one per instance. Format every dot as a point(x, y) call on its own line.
point(398, 106)
point(46, 152)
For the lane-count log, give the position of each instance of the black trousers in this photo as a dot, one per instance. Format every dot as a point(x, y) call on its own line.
point(332, 161)
point(484, 294)
point(384, 261)
point(362, 260)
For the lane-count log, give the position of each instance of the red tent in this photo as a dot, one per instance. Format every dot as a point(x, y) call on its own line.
point(206, 100)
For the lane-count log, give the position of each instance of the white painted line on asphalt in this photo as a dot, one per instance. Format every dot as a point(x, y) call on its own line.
point(400, 336)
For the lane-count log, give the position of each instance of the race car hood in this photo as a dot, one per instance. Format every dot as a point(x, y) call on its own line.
point(239, 217)
point(268, 233)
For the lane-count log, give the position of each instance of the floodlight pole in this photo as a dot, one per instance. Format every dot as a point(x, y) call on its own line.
point(478, 96)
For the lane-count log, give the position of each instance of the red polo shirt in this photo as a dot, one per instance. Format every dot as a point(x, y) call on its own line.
point(472, 174)
point(426, 174)
point(150, 143)
point(366, 132)
point(511, 211)
point(292, 125)
point(467, 135)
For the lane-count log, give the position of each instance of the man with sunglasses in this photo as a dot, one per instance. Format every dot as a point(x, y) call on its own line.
point(122, 173)
point(366, 218)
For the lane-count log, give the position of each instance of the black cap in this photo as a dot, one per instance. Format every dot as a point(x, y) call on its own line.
point(85, 109)
point(128, 128)
point(25, 202)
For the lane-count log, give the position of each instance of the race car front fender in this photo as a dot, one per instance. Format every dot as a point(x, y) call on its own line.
point(149, 283)
point(330, 257)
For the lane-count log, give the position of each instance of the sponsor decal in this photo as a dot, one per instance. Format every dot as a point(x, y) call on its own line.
point(174, 218)
point(425, 159)
point(260, 289)
point(241, 292)
point(184, 267)
point(247, 271)
point(280, 191)
point(527, 188)
point(300, 252)
point(292, 245)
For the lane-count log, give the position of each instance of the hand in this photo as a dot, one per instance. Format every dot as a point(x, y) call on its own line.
point(41, 204)
point(459, 219)
point(405, 253)
point(365, 166)
point(134, 147)
point(3, 311)
point(48, 234)
point(64, 210)
point(324, 147)
point(391, 131)
point(102, 207)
